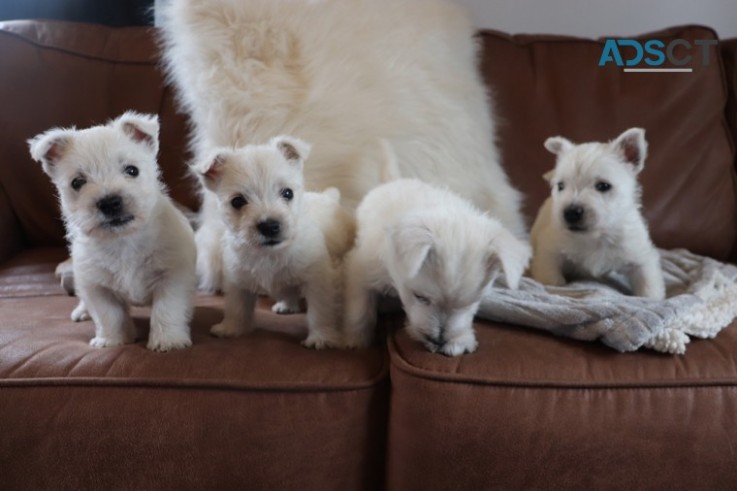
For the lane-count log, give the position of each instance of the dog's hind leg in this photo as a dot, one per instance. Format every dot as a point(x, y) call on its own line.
point(360, 305)
point(322, 308)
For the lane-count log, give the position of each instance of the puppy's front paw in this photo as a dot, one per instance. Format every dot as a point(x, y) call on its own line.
point(80, 314)
point(170, 343)
point(285, 307)
point(459, 346)
point(100, 342)
point(225, 330)
point(320, 341)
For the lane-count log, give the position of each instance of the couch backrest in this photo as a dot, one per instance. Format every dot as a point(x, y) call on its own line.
point(68, 74)
point(63, 74)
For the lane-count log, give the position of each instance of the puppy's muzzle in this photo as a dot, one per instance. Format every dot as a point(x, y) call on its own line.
point(574, 218)
point(113, 209)
point(111, 206)
point(270, 230)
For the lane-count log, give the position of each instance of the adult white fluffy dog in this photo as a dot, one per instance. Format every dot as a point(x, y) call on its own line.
point(342, 75)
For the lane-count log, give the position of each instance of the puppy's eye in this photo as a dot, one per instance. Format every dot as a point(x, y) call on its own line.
point(422, 299)
point(561, 186)
point(287, 194)
point(131, 170)
point(603, 186)
point(78, 182)
point(238, 202)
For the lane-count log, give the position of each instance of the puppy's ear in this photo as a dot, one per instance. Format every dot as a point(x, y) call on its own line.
point(508, 254)
point(141, 128)
point(411, 245)
point(557, 145)
point(49, 148)
point(632, 147)
point(293, 149)
point(210, 170)
point(548, 176)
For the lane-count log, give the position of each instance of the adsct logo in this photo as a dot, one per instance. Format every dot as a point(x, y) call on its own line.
point(651, 55)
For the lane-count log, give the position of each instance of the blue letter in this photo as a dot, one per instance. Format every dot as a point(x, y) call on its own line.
point(610, 53)
point(651, 47)
point(638, 50)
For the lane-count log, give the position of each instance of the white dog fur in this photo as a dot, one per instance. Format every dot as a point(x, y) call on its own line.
point(342, 75)
point(276, 237)
point(129, 244)
point(591, 226)
point(437, 252)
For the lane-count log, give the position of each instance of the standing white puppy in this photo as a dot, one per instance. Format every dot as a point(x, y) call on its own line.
point(276, 237)
point(437, 252)
point(592, 226)
point(129, 244)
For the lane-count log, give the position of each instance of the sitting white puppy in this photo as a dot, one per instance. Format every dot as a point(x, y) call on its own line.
point(434, 249)
point(129, 244)
point(277, 238)
point(591, 226)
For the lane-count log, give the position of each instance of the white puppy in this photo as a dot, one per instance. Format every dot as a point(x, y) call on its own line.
point(129, 244)
point(437, 252)
point(343, 75)
point(276, 237)
point(591, 226)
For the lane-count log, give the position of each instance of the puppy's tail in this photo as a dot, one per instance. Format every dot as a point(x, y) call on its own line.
point(390, 170)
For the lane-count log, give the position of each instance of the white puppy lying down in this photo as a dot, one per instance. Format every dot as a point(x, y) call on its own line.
point(437, 252)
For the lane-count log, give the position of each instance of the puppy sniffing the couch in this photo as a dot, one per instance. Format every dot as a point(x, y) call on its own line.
point(437, 252)
point(129, 244)
point(591, 226)
point(277, 238)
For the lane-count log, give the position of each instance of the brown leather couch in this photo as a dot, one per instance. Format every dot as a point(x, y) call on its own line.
point(526, 411)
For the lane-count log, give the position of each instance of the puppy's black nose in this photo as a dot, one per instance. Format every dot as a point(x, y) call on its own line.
point(573, 214)
point(110, 206)
point(269, 228)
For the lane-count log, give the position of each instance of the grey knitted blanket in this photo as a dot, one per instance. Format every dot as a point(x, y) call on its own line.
point(701, 301)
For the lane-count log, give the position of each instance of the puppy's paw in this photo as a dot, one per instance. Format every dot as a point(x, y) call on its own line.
point(670, 341)
point(320, 341)
point(459, 346)
point(225, 330)
point(100, 342)
point(80, 313)
point(285, 307)
point(170, 343)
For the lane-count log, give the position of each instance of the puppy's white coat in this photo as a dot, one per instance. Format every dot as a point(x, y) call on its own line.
point(592, 226)
point(129, 244)
point(437, 252)
point(276, 237)
point(343, 75)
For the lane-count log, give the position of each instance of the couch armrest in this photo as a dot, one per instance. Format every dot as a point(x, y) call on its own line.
point(11, 236)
